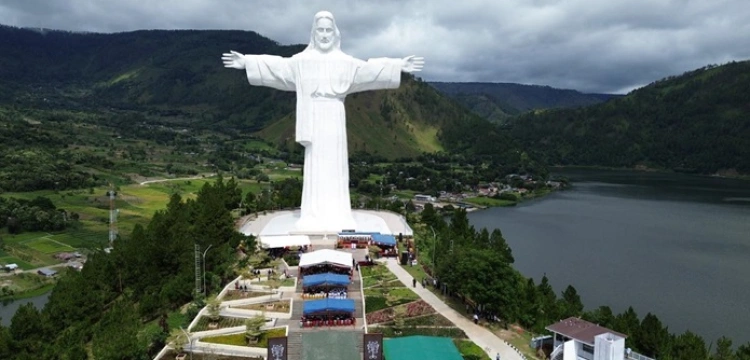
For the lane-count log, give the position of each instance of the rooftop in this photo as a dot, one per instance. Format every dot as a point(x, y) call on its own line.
point(581, 330)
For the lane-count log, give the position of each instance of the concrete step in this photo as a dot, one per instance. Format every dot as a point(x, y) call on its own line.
point(294, 345)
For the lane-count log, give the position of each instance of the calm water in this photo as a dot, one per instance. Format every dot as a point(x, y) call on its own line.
point(673, 245)
point(7, 311)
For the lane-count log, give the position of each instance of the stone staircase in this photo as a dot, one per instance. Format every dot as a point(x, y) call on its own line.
point(294, 345)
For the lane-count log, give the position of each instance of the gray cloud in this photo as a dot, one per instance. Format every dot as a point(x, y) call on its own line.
point(588, 45)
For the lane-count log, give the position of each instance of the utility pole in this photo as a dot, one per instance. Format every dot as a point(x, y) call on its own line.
point(112, 215)
point(434, 245)
point(204, 271)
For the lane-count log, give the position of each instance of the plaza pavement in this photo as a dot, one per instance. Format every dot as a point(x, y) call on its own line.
point(488, 341)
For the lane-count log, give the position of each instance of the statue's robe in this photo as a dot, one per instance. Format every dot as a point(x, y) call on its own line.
point(322, 82)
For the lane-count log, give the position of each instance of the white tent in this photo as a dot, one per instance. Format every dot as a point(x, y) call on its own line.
point(326, 256)
point(270, 242)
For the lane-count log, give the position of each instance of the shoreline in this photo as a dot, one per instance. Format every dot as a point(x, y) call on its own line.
point(644, 169)
point(28, 294)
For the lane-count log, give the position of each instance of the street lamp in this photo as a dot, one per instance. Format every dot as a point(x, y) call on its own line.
point(204, 270)
point(190, 341)
point(434, 245)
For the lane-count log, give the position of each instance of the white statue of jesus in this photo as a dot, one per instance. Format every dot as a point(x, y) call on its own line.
point(322, 76)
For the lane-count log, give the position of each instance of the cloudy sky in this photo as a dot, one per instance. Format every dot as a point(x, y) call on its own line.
point(589, 45)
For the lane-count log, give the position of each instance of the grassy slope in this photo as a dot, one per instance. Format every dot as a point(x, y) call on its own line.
point(411, 130)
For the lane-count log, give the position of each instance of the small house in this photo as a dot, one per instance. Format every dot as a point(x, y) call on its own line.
point(11, 267)
point(47, 272)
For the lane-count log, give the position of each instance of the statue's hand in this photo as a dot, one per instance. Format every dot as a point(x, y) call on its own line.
point(412, 64)
point(233, 60)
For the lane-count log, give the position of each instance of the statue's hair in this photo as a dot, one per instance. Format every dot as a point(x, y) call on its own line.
point(336, 33)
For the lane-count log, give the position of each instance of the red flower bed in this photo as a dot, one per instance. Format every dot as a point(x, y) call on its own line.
point(380, 316)
point(418, 308)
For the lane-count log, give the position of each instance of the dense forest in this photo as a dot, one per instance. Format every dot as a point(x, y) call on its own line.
point(698, 122)
point(112, 306)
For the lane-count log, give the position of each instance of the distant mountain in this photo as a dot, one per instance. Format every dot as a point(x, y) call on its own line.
point(176, 78)
point(697, 122)
point(498, 102)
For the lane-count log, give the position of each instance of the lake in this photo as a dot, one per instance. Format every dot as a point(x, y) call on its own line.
point(677, 246)
point(7, 311)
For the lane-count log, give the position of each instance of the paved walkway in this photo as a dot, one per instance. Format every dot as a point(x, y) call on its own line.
point(478, 334)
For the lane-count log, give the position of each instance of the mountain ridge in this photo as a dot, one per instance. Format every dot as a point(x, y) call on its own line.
point(697, 122)
point(175, 78)
point(499, 101)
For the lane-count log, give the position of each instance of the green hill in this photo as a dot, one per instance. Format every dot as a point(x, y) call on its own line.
point(697, 122)
point(498, 102)
point(176, 79)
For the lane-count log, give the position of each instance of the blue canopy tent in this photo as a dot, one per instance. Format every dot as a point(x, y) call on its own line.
point(386, 240)
point(326, 306)
point(327, 279)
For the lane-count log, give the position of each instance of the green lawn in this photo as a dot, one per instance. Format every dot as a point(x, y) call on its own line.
point(489, 202)
point(374, 270)
point(48, 246)
point(469, 348)
point(5, 260)
point(416, 271)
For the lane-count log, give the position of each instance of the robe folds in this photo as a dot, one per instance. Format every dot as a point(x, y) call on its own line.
point(322, 82)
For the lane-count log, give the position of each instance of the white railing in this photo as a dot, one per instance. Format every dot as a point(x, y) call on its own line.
point(557, 353)
point(636, 356)
point(362, 294)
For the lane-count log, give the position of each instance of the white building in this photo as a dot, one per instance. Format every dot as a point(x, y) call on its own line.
point(577, 339)
point(424, 198)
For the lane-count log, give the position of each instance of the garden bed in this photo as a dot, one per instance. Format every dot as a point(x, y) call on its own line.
point(397, 296)
point(224, 322)
point(240, 340)
point(374, 270)
point(412, 309)
point(239, 294)
point(282, 306)
point(374, 281)
point(428, 320)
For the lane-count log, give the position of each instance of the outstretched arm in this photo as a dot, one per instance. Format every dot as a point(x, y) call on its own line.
point(383, 73)
point(263, 70)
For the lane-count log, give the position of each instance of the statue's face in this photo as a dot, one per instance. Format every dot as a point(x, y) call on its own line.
point(324, 34)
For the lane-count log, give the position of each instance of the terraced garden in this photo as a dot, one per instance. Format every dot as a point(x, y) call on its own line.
point(241, 340)
point(239, 294)
point(274, 306)
point(222, 323)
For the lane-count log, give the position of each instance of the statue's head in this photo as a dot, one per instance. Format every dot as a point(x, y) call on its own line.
point(325, 36)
